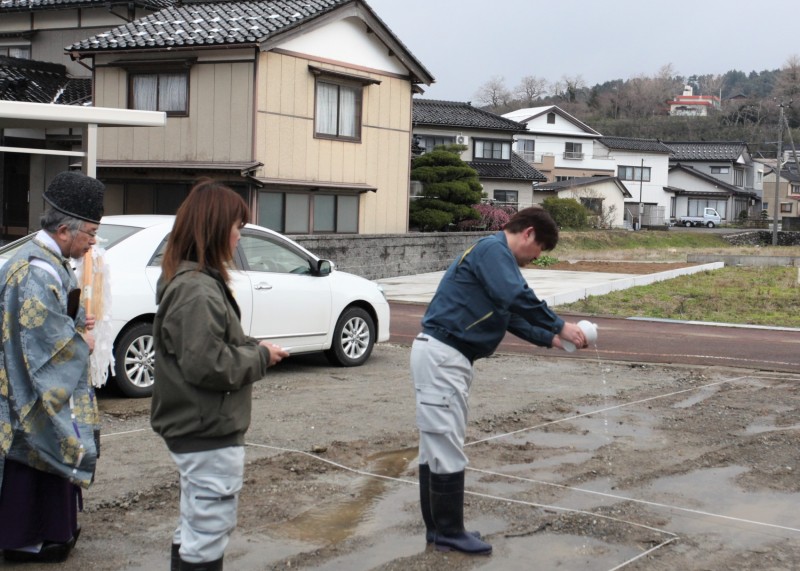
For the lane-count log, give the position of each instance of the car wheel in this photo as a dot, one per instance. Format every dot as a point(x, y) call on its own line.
point(710, 224)
point(687, 223)
point(134, 367)
point(353, 338)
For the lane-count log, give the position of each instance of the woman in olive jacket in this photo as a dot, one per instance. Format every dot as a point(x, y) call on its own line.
point(204, 370)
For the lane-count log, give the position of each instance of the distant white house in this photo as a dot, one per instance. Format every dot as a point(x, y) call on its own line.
point(560, 146)
point(692, 105)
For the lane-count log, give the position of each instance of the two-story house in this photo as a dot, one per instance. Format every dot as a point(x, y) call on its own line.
point(303, 108)
point(558, 145)
point(35, 69)
point(720, 175)
point(643, 167)
point(488, 138)
point(785, 195)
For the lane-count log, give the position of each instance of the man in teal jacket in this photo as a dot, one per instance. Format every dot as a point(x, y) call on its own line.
point(481, 296)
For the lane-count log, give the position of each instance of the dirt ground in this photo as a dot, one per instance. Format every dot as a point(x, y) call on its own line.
point(575, 465)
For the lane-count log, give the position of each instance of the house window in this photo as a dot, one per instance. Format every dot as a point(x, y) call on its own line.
point(493, 150)
point(593, 205)
point(430, 142)
point(634, 173)
point(21, 52)
point(786, 207)
point(738, 177)
point(163, 91)
point(525, 149)
point(760, 176)
point(551, 118)
point(794, 189)
point(573, 151)
point(305, 213)
point(338, 113)
point(561, 178)
point(720, 170)
point(507, 196)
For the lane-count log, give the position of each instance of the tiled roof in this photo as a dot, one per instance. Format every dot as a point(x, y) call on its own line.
point(579, 182)
point(37, 5)
point(41, 82)
point(517, 169)
point(460, 114)
point(710, 180)
point(630, 144)
point(209, 24)
point(706, 150)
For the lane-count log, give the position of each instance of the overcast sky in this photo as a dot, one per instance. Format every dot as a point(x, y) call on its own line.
point(464, 43)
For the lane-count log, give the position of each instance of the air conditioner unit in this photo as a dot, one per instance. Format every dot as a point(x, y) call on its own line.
point(462, 140)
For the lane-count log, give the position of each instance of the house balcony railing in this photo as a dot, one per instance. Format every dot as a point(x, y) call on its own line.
point(573, 155)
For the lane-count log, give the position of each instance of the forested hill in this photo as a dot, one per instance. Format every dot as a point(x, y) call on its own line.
point(637, 107)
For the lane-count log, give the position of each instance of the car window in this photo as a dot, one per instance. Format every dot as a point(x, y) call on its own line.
point(159, 253)
point(265, 255)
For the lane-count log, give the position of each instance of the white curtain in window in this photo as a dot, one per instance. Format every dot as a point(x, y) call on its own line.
point(145, 92)
point(327, 96)
point(347, 111)
point(506, 151)
point(172, 92)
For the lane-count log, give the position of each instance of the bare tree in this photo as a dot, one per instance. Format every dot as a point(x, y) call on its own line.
point(787, 87)
point(529, 89)
point(710, 84)
point(568, 87)
point(493, 93)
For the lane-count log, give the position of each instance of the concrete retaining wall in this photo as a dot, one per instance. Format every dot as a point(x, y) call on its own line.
point(755, 261)
point(763, 238)
point(377, 256)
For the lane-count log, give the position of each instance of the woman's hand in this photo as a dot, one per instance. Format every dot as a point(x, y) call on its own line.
point(276, 353)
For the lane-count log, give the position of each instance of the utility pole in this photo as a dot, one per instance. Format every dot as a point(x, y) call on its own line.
point(779, 158)
point(641, 181)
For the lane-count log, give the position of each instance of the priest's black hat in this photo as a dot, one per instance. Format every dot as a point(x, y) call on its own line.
point(76, 195)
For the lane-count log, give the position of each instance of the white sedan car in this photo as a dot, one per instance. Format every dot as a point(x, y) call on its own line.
point(287, 295)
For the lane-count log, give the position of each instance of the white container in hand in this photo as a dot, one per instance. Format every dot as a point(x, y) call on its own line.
point(589, 331)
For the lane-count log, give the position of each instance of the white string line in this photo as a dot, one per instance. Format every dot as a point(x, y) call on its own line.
point(659, 546)
point(707, 357)
point(635, 500)
point(623, 405)
point(478, 494)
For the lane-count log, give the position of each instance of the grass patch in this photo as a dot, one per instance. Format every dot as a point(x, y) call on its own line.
point(753, 296)
point(624, 240)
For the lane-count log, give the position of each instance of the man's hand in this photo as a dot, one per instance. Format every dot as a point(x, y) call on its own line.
point(89, 338)
point(91, 321)
point(574, 334)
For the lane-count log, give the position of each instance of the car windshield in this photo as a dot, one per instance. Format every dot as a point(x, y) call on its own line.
point(108, 235)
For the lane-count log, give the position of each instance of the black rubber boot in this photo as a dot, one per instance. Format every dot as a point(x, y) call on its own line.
point(447, 509)
point(175, 557)
point(425, 503)
point(205, 566)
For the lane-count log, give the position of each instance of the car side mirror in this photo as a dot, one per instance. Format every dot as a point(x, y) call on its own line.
point(324, 267)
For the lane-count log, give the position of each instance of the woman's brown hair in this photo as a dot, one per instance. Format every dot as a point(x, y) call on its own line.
point(202, 228)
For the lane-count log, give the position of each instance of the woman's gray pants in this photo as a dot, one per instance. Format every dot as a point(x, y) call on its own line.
point(210, 485)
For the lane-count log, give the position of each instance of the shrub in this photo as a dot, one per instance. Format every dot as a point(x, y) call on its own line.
point(493, 217)
point(567, 212)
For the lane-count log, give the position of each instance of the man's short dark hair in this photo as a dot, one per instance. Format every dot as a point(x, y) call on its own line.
point(543, 225)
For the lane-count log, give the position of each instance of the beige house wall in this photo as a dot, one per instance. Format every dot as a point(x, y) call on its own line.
point(219, 127)
point(286, 145)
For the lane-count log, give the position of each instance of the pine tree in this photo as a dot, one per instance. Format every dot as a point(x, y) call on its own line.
point(450, 189)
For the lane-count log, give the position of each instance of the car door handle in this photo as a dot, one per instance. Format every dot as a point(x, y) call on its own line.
point(262, 286)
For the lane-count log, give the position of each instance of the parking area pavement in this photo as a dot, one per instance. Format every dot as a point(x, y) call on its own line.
point(553, 286)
